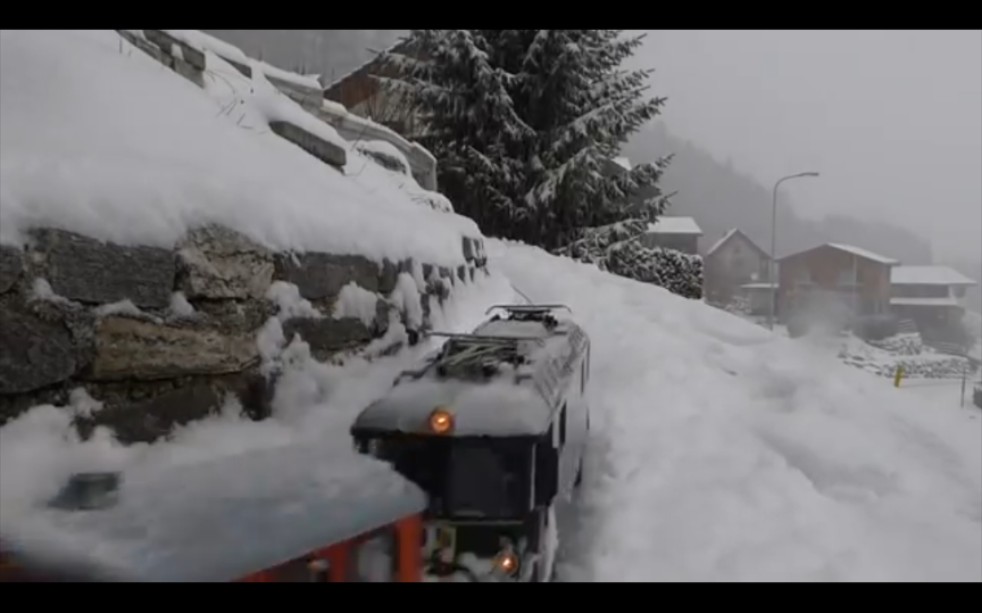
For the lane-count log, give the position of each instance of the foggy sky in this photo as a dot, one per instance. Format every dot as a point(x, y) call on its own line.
point(892, 119)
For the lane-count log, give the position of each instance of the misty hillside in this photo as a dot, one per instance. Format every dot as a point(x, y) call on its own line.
point(720, 198)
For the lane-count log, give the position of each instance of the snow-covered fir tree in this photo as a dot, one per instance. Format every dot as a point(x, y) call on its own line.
point(524, 122)
point(618, 248)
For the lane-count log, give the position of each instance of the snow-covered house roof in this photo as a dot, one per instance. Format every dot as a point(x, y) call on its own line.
point(865, 253)
point(675, 225)
point(941, 301)
point(623, 162)
point(857, 251)
point(928, 275)
point(732, 233)
point(333, 90)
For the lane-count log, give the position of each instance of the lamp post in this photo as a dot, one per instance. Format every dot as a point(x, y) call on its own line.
point(771, 279)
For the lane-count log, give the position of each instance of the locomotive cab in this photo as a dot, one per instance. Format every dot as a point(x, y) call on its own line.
point(493, 427)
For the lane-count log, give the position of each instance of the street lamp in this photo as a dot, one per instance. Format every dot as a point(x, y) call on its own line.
point(771, 279)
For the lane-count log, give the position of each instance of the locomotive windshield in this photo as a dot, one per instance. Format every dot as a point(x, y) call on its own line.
point(477, 478)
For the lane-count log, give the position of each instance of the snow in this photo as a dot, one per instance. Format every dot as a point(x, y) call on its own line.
point(286, 296)
point(314, 403)
point(205, 42)
point(924, 301)
point(864, 253)
point(623, 162)
point(674, 225)
point(122, 307)
point(497, 406)
point(176, 525)
point(927, 275)
point(722, 241)
point(406, 298)
point(41, 290)
point(385, 149)
point(180, 307)
point(356, 301)
point(82, 403)
point(721, 452)
point(758, 285)
point(309, 81)
point(119, 148)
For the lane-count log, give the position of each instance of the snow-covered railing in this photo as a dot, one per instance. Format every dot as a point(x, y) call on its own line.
point(353, 128)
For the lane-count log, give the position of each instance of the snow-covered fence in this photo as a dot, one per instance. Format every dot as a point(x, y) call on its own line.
point(162, 336)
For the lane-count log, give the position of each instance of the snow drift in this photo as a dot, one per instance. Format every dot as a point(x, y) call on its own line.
point(723, 452)
point(100, 139)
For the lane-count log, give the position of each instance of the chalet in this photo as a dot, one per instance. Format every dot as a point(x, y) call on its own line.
point(736, 265)
point(679, 233)
point(932, 296)
point(362, 93)
point(834, 281)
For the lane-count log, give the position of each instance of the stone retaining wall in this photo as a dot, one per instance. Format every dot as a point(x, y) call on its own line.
point(162, 336)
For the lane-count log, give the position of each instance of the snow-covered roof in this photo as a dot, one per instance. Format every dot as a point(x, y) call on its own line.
point(308, 81)
point(223, 519)
point(623, 162)
point(944, 301)
point(206, 42)
point(928, 275)
point(161, 157)
point(730, 234)
point(857, 251)
point(865, 253)
point(674, 225)
point(501, 405)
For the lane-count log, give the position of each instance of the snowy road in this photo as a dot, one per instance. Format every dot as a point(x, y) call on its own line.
point(723, 453)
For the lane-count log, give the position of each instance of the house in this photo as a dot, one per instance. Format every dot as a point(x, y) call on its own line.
point(679, 233)
point(833, 283)
point(362, 93)
point(932, 296)
point(736, 262)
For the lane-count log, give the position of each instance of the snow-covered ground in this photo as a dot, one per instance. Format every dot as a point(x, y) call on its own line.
point(720, 451)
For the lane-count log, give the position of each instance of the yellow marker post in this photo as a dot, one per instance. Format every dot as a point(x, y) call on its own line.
point(898, 376)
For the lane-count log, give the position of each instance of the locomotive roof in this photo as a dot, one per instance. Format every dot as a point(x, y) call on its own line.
point(223, 519)
point(516, 400)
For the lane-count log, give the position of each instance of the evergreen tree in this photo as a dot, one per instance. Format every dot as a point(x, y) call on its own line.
point(524, 123)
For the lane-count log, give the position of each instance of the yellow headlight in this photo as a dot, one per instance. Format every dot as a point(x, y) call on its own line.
point(506, 562)
point(441, 421)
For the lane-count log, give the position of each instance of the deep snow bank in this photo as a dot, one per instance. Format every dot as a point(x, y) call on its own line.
point(99, 139)
point(722, 452)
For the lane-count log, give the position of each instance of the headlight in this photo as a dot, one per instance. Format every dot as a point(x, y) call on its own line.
point(441, 421)
point(506, 562)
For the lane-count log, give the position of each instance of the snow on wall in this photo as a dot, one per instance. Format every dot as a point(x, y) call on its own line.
point(154, 156)
point(111, 165)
